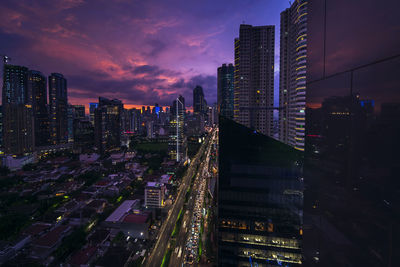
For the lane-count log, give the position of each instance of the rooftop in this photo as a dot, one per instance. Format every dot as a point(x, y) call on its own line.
point(136, 218)
point(36, 228)
point(52, 237)
point(154, 184)
point(82, 256)
point(124, 208)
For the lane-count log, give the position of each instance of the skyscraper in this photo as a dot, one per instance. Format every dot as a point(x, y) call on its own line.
point(292, 77)
point(260, 199)
point(254, 77)
point(199, 103)
point(37, 85)
point(108, 124)
point(58, 109)
point(177, 149)
point(92, 108)
point(135, 120)
point(18, 134)
point(225, 90)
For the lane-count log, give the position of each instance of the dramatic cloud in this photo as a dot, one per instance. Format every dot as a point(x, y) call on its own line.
point(141, 52)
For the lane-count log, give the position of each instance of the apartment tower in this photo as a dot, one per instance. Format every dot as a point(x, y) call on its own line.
point(254, 78)
point(292, 77)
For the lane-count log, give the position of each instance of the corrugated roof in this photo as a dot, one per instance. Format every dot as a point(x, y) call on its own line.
point(124, 208)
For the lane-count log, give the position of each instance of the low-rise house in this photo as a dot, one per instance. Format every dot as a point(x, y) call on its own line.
point(37, 229)
point(130, 220)
point(97, 205)
point(88, 158)
point(46, 244)
point(83, 257)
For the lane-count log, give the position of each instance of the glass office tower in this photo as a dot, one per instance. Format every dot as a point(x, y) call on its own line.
point(352, 199)
point(260, 198)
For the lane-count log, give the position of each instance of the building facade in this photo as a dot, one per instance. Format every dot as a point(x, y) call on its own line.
point(154, 194)
point(292, 75)
point(199, 103)
point(58, 109)
point(37, 84)
point(108, 124)
point(351, 197)
point(177, 146)
point(18, 123)
point(92, 108)
point(79, 112)
point(225, 90)
point(260, 199)
point(83, 135)
point(254, 77)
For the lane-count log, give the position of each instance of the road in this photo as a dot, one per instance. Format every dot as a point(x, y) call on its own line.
point(157, 254)
point(186, 238)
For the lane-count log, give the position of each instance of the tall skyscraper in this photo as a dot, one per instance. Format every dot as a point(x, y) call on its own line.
point(177, 148)
point(292, 77)
point(37, 85)
point(18, 134)
point(135, 119)
point(92, 108)
point(254, 77)
point(225, 90)
point(199, 104)
point(260, 199)
point(58, 109)
point(108, 124)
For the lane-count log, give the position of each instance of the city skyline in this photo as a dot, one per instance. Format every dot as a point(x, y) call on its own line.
point(137, 64)
point(185, 133)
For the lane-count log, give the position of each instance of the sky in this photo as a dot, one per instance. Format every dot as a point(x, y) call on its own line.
point(140, 51)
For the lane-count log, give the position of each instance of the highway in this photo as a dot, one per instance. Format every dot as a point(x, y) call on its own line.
point(188, 237)
point(156, 255)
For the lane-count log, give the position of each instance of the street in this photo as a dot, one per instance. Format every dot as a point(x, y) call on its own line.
point(156, 255)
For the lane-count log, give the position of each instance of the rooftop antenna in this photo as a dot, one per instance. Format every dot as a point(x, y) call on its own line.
point(6, 59)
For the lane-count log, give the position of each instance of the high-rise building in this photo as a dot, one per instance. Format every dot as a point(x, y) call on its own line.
point(75, 112)
point(83, 135)
point(135, 120)
point(108, 124)
point(199, 103)
point(58, 109)
point(37, 85)
point(177, 148)
point(70, 122)
point(225, 90)
point(79, 112)
point(260, 199)
point(18, 124)
point(92, 108)
point(150, 133)
point(254, 77)
point(292, 76)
